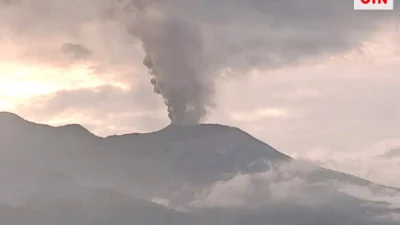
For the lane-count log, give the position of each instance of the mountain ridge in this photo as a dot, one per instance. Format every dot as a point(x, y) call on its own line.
point(178, 132)
point(175, 165)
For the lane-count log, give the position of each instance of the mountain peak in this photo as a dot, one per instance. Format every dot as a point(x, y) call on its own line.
point(195, 129)
point(8, 116)
point(74, 128)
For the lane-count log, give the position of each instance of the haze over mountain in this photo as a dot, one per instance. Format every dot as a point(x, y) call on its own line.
point(190, 174)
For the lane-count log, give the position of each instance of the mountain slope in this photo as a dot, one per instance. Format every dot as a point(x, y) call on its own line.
point(91, 207)
point(183, 167)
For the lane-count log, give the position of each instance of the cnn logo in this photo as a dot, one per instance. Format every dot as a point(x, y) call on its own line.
point(373, 4)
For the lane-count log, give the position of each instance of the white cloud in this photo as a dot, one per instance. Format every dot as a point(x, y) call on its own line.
point(369, 161)
point(390, 196)
point(279, 184)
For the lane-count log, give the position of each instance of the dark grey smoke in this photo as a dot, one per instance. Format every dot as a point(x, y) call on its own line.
point(175, 59)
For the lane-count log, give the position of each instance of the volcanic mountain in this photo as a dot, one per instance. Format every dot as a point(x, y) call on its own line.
point(64, 175)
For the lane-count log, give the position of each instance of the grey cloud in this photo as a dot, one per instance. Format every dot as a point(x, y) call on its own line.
point(394, 152)
point(283, 28)
point(77, 51)
point(95, 99)
point(274, 33)
point(8, 2)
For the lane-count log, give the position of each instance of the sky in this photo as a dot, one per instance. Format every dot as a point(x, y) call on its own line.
point(317, 81)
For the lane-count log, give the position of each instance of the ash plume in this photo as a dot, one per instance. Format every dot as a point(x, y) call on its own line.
point(175, 59)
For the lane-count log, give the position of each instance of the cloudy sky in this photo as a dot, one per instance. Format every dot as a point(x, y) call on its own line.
point(314, 79)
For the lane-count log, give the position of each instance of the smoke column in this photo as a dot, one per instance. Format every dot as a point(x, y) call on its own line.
point(176, 61)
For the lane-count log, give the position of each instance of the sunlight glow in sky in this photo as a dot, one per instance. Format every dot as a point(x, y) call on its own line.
point(20, 82)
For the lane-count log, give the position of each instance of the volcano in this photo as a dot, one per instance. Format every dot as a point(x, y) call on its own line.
point(64, 175)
